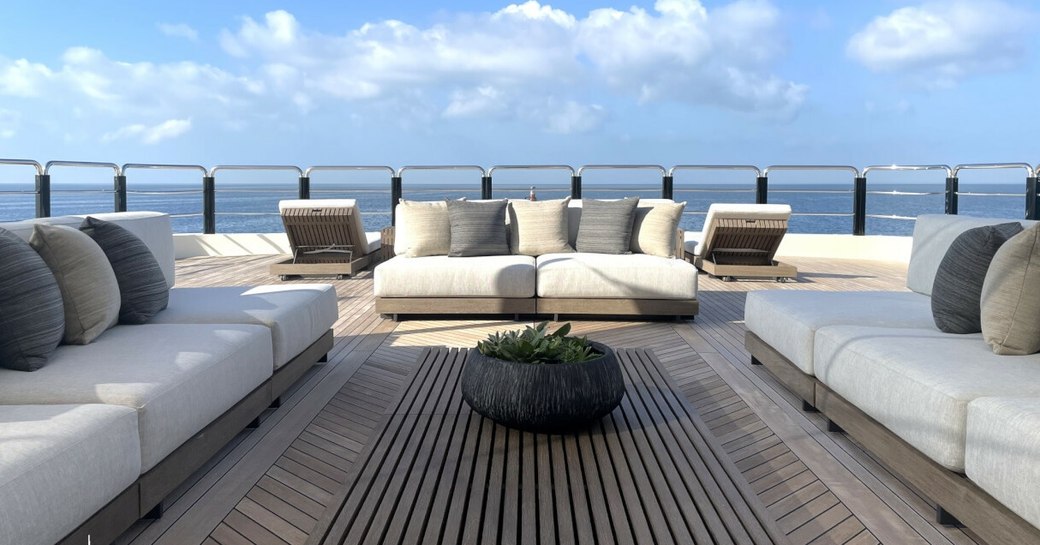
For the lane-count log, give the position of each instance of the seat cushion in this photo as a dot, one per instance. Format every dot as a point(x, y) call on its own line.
point(179, 378)
point(508, 276)
point(60, 464)
point(918, 383)
point(788, 320)
point(1003, 447)
point(297, 315)
point(604, 276)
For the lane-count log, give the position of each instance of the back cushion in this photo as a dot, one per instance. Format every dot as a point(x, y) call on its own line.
point(933, 235)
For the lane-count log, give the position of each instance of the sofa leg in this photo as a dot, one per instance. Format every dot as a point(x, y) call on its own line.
point(755, 361)
point(556, 317)
point(276, 403)
point(944, 517)
point(324, 358)
point(833, 427)
point(156, 513)
point(254, 424)
point(809, 407)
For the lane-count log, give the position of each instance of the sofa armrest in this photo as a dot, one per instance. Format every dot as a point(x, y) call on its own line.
point(386, 243)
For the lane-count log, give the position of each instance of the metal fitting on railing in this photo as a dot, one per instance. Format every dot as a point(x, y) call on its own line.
point(1032, 208)
point(489, 178)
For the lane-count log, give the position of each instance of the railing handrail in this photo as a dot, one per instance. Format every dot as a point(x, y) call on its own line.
point(214, 170)
point(163, 166)
point(949, 171)
point(753, 168)
point(401, 171)
point(993, 166)
point(492, 170)
point(659, 168)
point(90, 164)
point(850, 168)
point(308, 170)
point(24, 162)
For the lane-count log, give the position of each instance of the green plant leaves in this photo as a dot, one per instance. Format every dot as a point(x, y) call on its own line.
point(535, 345)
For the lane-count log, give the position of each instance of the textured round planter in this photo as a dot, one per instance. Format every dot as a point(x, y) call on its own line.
point(543, 398)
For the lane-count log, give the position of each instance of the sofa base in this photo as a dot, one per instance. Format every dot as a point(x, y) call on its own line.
point(287, 375)
point(110, 522)
point(618, 307)
point(803, 385)
point(777, 270)
point(454, 305)
point(536, 305)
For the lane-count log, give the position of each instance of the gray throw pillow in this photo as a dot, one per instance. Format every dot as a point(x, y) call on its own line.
point(606, 226)
point(957, 290)
point(478, 228)
point(32, 318)
point(142, 287)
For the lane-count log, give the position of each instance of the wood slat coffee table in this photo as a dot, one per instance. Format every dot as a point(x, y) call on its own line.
point(650, 472)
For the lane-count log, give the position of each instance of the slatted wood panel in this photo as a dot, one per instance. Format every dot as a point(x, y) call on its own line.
point(649, 472)
point(261, 483)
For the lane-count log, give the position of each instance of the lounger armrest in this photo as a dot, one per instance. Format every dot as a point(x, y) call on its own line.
point(386, 243)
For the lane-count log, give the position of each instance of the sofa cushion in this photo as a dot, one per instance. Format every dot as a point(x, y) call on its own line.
point(142, 286)
point(1010, 302)
point(933, 234)
point(1003, 447)
point(538, 227)
point(422, 228)
point(655, 228)
point(957, 290)
point(89, 290)
point(179, 378)
point(788, 320)
point(509, 276)
point(478, 228)
point(297, 315)
point(918, 382)
point(603, 276)
point(606, 226)
point(60, 464)
point(32, 317)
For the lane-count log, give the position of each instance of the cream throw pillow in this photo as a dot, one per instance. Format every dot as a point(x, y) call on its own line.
point(1010, 299)
point(89, 290)
point(538, 227)
point(655, 229)
point(422, 228)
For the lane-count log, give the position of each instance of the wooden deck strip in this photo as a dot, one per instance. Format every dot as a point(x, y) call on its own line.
point(264, 484)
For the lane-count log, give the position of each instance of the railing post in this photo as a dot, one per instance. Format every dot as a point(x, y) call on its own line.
point(667, 187)
point(395, 197)
point(43, 195)
point(485, 187)
point(762, 190)
point(859, 207)
point(119, 185)
point(209, 205)
point(952, 187)
point(575, 187)
point(305, 187)
point(1032, 198)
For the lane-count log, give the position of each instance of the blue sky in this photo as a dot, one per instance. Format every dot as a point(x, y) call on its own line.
point(575, 82)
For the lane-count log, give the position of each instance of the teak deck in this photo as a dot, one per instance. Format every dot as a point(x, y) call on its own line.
point(272, 484)
point(650, 472)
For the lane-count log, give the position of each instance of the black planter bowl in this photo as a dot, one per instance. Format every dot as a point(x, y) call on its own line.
point(546, 398)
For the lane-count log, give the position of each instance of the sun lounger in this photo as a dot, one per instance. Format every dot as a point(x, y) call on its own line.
point(327, 238)
point(740, 240)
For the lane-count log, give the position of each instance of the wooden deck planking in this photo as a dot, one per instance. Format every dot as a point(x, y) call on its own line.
point(324, 425)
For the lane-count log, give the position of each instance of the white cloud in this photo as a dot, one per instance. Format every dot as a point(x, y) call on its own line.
point(179, 30)
point(23, 78)
point(940, 43)
point(9, 121)
point(171, 128)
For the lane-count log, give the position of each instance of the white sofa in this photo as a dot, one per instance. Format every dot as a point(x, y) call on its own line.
point(561, 283)
point(926, 401)
point(124, 420)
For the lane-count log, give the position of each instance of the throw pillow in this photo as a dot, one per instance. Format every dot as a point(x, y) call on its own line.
point(478, 228)
point(1010, 300)
point(32, 318)
point(606, 226)
point(538, 227)
point(655, 229)
point(88, 285)
point(422, 228)
point(957, 290)
point(142, 287)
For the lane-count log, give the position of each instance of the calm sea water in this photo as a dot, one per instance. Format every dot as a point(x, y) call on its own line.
point(253, 208)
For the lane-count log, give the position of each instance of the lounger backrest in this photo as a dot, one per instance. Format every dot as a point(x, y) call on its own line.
point(324, 222)
point(745, 226)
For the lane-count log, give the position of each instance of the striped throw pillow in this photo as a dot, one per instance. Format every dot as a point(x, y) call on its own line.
point(478, 228)
point(655, 228)
point(142, 287)
point(606, 226)
point(538, 227)
point(32, 317)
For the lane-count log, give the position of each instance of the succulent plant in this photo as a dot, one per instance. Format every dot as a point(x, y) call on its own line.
point(536, 345)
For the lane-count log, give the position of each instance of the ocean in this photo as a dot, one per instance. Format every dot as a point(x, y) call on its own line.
point(253, 208)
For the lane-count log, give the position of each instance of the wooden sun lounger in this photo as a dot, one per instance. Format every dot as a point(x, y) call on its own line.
point(327, 238)
point(740, 240)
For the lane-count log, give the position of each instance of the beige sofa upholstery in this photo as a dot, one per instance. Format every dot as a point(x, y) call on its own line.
point(1003, 452)
point(603, 276)
point(508, 276)
point(61, 463)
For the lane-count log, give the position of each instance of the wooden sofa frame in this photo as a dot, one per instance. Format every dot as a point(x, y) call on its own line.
point(954, 494)
point(144, 498)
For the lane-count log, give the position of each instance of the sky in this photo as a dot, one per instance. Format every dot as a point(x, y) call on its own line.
point(571, 82)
